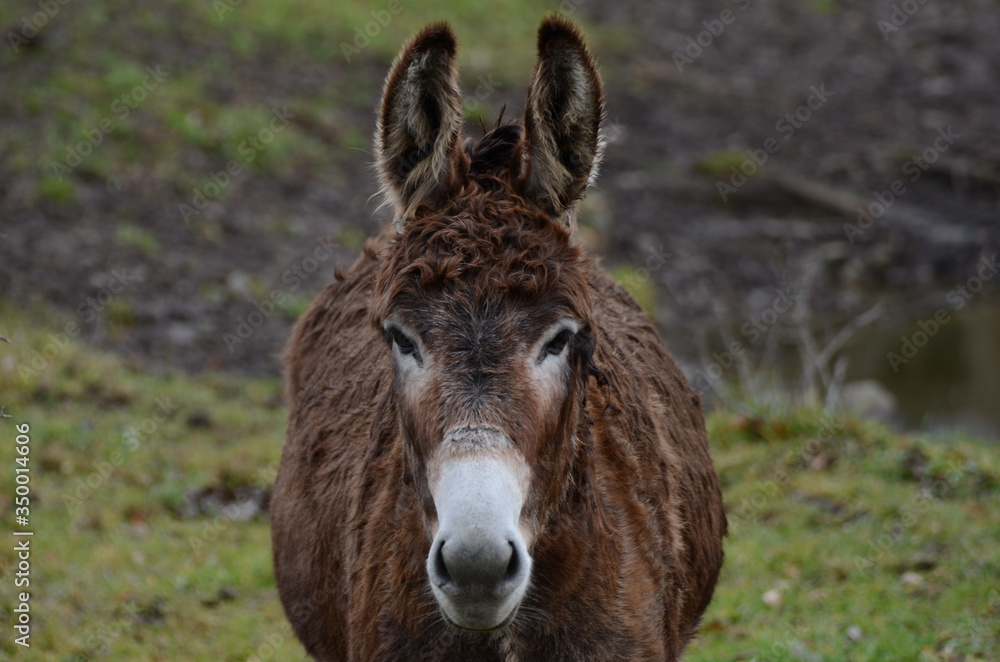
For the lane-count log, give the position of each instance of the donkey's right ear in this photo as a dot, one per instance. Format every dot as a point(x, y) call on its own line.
point(417, 143)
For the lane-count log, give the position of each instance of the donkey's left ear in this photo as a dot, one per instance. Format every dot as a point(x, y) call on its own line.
point(417, 147)
point(561, 146)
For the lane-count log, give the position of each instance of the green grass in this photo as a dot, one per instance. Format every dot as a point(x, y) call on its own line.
point(866, 544)
point(847, 542)
point(348, 31)
point(720, 164)
point(86, 107)
point(117, 572)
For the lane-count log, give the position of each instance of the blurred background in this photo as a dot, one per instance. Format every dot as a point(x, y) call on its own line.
point(205, 148)
point(804, 196)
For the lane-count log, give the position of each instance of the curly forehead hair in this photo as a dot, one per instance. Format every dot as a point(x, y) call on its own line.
point(487, 246)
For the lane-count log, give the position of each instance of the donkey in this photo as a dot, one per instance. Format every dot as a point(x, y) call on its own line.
point(491, 455)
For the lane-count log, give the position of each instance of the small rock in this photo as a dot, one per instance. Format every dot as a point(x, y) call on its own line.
point(869, 399)
point(240, 504)
point(854, 633)
point(772, 598)
point(181, 334)
point(912, 579)
point(239, 283)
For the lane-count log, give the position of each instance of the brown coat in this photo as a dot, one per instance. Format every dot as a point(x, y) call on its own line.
point(623, 515)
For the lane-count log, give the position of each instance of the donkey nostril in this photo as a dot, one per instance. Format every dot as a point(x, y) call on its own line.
point(440, 567)
point(514, 565)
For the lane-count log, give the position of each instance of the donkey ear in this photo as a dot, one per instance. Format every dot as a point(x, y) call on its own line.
point(417, 146)
point(562, 146)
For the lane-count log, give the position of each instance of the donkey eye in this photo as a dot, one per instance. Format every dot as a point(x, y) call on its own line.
point(403, 343)
point(557, 344)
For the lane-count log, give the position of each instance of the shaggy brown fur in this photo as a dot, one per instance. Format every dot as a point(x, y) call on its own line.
point(624, 502)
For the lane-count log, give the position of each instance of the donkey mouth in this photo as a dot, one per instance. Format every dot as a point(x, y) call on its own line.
point(477, 624)
point(479, 598)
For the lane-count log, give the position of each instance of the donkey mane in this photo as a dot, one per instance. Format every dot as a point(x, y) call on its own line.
point(500, 244)
point(491, 157)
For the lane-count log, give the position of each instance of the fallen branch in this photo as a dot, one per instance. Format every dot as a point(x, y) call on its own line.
point(899, 214)
point(824, 195)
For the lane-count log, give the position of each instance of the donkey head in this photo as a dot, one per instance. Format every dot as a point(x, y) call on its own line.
point(483, 300)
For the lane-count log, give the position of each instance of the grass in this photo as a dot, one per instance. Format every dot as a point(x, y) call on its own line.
point(847, 542)
point(720, 164)
point(118, 572)
point(111, 91)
